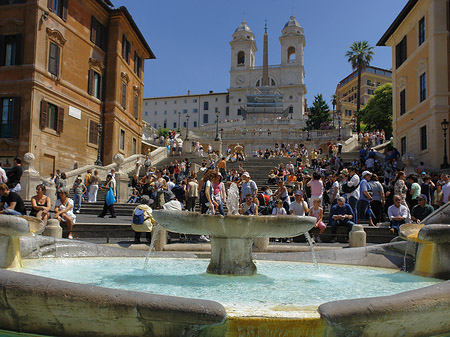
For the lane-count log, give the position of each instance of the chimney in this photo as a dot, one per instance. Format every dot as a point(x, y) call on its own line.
point(210, 91)
point(189, 92)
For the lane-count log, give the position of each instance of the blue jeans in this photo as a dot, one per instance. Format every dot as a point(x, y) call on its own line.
point(353, 202)
point(77, 201)
point(12, 212)
point(345, 222)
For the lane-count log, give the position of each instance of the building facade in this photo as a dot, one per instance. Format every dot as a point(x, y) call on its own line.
point(346, 92)
point(72, 77)
point(248, 84)
point(420, 42)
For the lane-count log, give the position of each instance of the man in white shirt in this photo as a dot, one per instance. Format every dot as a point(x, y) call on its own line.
point(398, 214)
point(298, 206)
point(446, 188)
point(353, 197)
point(3, 177)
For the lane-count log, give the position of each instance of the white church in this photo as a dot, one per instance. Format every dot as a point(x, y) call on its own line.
point(257, 95)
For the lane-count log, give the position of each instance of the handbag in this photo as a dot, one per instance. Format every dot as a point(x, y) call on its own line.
point(110, 198)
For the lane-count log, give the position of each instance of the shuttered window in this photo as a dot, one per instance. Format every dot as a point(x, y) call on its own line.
point(53, 59)
point(59, 7)
point(124, 95)
point(93, 132)
point(136, 107)
point(10, 50)
point(10, 117)
point(95, 84)
point(98, 33)
point(52, 117)
point(126, 49)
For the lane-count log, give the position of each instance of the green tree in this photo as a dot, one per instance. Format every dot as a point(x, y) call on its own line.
point(359, 55)
point(319, 114)
point(377, 113)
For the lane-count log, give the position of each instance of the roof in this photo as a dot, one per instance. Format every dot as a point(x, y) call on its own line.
point(398, 20)
point(292, 22)
point(190, 95)
point(124, 10)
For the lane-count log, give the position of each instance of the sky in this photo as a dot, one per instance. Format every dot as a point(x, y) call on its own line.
point(190, 39)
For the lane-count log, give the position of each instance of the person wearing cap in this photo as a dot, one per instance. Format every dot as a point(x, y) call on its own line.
point(299, 205)
point(422, 209)
point(172, 204)
point(248, 186)
point(365, 197)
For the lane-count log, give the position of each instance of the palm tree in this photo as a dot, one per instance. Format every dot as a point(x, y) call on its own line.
point(359, 55)
point(333, 103)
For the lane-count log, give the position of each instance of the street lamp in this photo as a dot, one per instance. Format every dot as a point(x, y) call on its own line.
point(333, 102)
point(99, 146)
point(444, 125)
point(308, 137)
point(339, 116)
point(187, 127)
point(179, 120)
point(217, 126)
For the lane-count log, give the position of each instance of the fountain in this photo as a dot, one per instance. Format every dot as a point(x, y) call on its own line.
point(11, 229)
point(47, 306)
point(232, 235)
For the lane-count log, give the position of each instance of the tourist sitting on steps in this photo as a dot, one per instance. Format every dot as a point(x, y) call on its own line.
point(341, 215)
point(398, 214)
point(422, 209)
point(143, 220)
point(40, 204)
point(249, 206)
point(12, 200)
point(64, 211)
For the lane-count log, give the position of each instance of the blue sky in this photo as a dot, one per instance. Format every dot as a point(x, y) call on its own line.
point(190, 39)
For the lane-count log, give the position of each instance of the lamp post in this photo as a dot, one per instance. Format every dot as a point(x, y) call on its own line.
point(444, 125)
point(187, 127)
point(339, 116)
point(99, 154)
point(179, 120)
point(217, 126)
point(333, 102)
point(308, 137)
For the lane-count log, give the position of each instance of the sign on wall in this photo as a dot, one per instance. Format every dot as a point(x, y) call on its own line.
point(74, 112)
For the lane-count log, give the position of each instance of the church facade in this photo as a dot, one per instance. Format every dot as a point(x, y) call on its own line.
point(267, 92)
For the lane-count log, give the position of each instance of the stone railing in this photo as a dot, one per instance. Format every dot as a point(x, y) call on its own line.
point(123, 166)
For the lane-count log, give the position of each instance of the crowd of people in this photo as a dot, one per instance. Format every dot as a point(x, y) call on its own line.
point(373, 189)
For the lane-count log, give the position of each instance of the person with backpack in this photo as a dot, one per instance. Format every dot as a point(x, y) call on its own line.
point(143, 220)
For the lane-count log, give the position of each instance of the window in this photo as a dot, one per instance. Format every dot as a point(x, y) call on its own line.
point(174, 112)
point(421, 31)
point(10, 117)
point(241, 58)
point(348, 113)
point(193, 110)
point(98, 33)
point(134, 146)
point(291, 55)
point(423, 87)
point(53, 59)
point(93, 132)
point(185, 111)
point(205, 118)
point(122, 140)
point(59, 7)
point(194, 100)
point(227, 99)
point(402, 102)
point(423, 138)
point(126, 49)
point(369, 82)
point(370, 91)
point(95, 84)
point(137, 64)
point(205, 105)
point(175, 102)
point(239, 112)
point(51, 117)
point(136, 107)
point(165, 112)
point(195, 124)
point(403, 146)
point(227, 111)
point(174, 125)
point(146, 113)
point(400, 52)
point(10, 50)
point(184, 124)
point(124, 95)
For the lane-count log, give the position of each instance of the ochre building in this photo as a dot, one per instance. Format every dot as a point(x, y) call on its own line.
point(420, 42)
point(71, 82)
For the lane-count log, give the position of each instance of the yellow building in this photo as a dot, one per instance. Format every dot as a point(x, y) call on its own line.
point(69, 69)
point(346, 92)
point(419, 38)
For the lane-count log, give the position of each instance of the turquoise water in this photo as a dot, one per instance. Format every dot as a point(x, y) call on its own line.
point(277, 284)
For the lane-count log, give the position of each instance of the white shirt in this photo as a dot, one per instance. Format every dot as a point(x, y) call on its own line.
point(298, 208)
point(446, 192)
point(393, 212)
point(279, 211)
point(3, 177)
point(353, 182)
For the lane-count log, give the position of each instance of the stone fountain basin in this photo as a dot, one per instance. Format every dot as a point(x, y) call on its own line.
point(234, 226)
point(13, 226)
